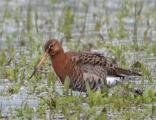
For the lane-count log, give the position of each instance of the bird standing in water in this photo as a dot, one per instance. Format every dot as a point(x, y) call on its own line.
point(82, 68)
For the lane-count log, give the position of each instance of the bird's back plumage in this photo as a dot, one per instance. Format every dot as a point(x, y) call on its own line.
point(93, 68)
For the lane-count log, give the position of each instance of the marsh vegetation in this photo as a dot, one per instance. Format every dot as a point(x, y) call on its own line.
point(123, 30)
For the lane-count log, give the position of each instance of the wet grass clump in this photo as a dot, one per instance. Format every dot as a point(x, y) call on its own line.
point(25, 112)
point(14, 89)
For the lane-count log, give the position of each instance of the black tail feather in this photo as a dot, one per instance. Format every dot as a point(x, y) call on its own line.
point(120, 72)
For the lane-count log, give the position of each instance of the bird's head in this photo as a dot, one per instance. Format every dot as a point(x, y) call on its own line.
point(52, 48)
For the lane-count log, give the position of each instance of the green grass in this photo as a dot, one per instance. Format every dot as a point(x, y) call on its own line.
point(14, 89)
point(25, 112)
point(67, 22)
point(18, 62)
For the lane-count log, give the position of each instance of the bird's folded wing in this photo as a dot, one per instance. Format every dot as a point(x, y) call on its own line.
point(96, 59)
point(93, 68)
point(86, 70)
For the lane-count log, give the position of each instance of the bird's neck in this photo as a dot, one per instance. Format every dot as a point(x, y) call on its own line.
point(58, 63)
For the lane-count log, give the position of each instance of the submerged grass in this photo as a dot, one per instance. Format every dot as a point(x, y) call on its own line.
point(25, 112)
point(14, 89)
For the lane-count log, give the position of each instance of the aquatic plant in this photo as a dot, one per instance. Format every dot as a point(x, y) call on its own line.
point(24, 47)
point(25, 112)
point(3, 58)
point(14, 88)
point(67, 23)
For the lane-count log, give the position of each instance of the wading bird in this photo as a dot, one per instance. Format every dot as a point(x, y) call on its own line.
point(82, 68)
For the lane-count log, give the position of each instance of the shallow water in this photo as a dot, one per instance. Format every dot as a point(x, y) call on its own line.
point(46, 18)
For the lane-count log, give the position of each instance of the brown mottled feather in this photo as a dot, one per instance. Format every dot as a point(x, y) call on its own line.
point(98, 59)
point(93, 69)
point(82, 73)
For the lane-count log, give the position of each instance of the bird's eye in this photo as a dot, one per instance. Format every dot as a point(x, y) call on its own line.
point(50, 46)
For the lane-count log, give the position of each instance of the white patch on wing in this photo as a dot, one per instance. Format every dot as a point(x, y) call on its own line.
point(112, 80)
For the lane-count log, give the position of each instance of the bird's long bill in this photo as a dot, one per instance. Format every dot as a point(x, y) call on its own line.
point(43, 59)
